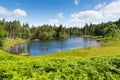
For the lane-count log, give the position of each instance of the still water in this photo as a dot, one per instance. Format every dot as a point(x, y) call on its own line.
point(40, 47)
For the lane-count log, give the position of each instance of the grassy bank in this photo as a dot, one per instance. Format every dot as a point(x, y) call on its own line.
point(12, 42)
point(106, 49)
point(93, 63)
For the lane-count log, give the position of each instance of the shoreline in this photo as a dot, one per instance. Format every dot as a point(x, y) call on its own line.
point(73, 48)
point(8, 43)
point(99, 39)
point(105, 44)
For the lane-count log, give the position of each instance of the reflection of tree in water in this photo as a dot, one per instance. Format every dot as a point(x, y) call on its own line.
point(29, 47)
point(24, 48)
point(13, 50)
point(20, 49)
point(61, 47)
point(86, 42)
point(44, 46)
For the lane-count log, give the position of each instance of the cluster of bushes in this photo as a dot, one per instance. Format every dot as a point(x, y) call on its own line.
point(95, 68)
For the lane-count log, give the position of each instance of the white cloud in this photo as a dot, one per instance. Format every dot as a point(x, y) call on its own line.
point(19, 12)
point(86, 15)
point(76, 2)
point(103, 12)
point(3, 11)
point(112, 10)
point(60, 15)
point(15, 13)
point(99, 6)
point(53, 21)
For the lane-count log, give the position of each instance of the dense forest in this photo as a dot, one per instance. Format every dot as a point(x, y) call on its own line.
point(109, 29)
point(14, 29)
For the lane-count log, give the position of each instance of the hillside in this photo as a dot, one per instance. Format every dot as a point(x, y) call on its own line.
point(93, 63)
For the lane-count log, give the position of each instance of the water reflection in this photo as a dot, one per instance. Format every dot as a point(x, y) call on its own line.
point(40, 48)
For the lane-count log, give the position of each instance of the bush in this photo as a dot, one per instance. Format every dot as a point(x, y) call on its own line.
point(96, 68)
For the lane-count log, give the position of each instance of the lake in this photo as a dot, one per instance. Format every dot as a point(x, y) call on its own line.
point(35, 47)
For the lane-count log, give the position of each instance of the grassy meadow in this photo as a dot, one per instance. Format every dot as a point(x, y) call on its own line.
point(92, 63)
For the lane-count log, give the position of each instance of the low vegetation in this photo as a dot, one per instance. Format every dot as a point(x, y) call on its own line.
point(93, 63)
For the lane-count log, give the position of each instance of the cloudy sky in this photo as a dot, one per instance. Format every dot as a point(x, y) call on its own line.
point(66, 12)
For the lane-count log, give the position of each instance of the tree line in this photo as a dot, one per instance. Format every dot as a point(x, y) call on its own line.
point(14, 29)
point(109, 29)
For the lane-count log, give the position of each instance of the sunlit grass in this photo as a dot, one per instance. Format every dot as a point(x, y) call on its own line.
point(105, 50)
point(11, 42)
point(92, 63)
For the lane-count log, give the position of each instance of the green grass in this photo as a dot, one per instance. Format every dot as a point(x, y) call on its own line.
point(93, 63)
point(88, 52)
point(106, 49)
point(12, 42)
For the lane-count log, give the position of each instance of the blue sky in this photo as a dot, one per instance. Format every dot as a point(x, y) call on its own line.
point(66, 12)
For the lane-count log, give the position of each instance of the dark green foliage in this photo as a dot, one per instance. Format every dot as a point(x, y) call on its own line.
point(109, 29)
point(14, 29)
point(2, 35)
